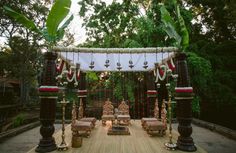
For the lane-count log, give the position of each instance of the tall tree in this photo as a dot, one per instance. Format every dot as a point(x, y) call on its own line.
point(109, 25)
point(216, 18)
point(25, 45)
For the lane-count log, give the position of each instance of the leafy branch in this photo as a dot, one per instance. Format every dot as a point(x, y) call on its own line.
point(52, 32)
point(176, 30)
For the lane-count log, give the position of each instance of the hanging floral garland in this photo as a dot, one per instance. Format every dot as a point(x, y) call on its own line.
point(162, 72)
point(165, 69)
point(171, 64)
point(60, 66)
point(70, 73)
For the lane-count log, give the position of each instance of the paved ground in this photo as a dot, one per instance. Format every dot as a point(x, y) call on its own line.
point(22, 142)
point(210, 141)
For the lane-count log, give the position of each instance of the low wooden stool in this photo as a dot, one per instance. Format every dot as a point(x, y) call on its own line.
point(155, 127)
point(83, 128)
point(89, 119)
point(144, 120)
point(124, 118)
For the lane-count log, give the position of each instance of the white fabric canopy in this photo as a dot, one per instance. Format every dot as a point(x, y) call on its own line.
point(84, 59)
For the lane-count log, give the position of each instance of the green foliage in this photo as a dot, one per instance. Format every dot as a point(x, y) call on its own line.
point(169, 25)
point(51, 33)
point(118, 91)
point(109, 25)
point(22, 59)
point(218, 17)
point(22, 19)
point(130, 90)
point(201, 72)
point(91, 76)
point(18, 120)
point(196, 106)
point(176, 30)
point(61, 30)
point(58, 12)
point(183, 29)
point(71, 95)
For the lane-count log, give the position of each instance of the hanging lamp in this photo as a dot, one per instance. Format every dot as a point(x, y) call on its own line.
point(130, 61)
point(91, 66)
point(118, 63)
point(107, 62)
point(145, 63)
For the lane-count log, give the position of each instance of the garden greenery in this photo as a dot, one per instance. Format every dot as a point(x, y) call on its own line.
point(54, 30)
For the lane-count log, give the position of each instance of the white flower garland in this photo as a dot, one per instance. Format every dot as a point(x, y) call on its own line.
point(155, 74)
point(172, 63)
point(78, 74)
point(72, 78)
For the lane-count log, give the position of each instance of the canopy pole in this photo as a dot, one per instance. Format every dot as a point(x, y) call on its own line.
point(117, 50)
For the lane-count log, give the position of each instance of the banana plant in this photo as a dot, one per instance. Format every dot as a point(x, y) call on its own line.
point(175, 29)
point(54, 31)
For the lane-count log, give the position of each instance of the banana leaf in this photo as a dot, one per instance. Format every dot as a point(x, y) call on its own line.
point(59, 11)
point(183, 30)
point(61, 30)
point(169, 25)
point(23, 20)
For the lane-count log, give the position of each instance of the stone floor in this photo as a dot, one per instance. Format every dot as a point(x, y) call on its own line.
point(23, 142)
point(210, 141)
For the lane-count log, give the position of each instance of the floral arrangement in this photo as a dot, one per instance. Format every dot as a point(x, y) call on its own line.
point(67, 74)
point(164, 69)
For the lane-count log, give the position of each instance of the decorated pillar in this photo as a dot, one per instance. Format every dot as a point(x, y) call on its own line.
point(48, 96)
point(184, 96)
point(82, 89)
point(151, 94)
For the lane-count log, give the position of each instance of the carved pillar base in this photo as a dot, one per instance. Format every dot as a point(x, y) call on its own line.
point(46, 145)
point(185, 141)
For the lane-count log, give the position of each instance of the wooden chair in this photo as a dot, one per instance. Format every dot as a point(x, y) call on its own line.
point(79, 128)
point(151, 119)
point(158, 127)
point(81, 115)
point(123, 113)
point(108, 112)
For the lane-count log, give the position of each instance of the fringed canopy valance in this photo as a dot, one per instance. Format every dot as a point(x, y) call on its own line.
point(116, 59)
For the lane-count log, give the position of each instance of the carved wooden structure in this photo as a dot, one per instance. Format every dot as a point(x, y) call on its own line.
point(158, 127)
point(123, 113)
point(108, 112)
point(85, 119)
point(79, 128)
point(184, 105)
point(48, 105)
point(150, 119)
